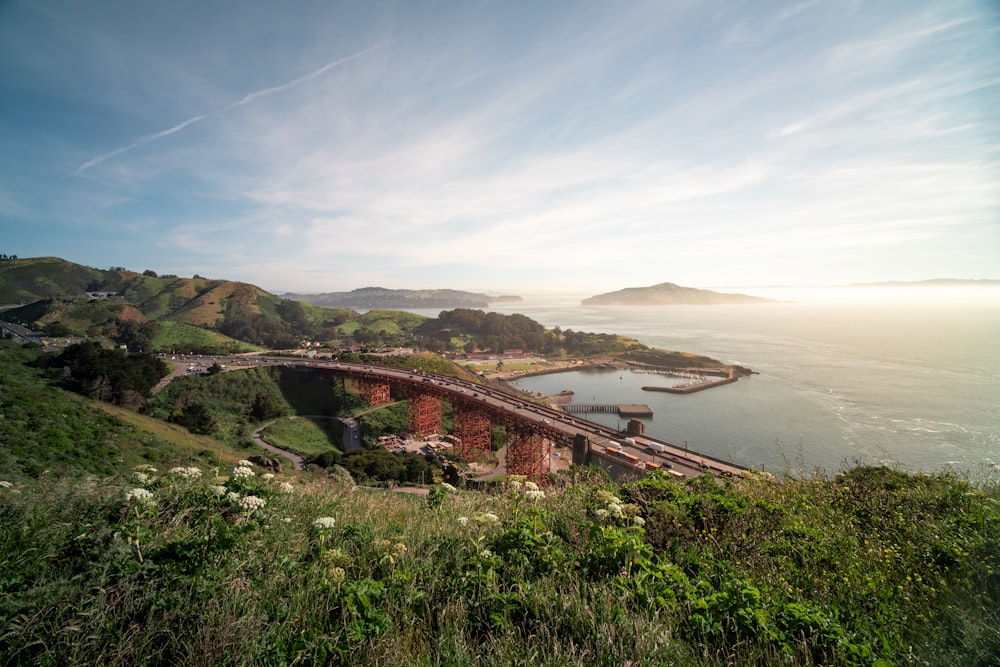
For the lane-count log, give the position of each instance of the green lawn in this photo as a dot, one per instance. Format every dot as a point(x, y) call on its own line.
point(305, 436)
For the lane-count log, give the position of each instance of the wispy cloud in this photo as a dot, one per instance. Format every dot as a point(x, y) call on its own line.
point(246, 99)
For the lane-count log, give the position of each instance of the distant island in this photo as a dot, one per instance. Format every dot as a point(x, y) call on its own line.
point(381, 297)
point(668, 294)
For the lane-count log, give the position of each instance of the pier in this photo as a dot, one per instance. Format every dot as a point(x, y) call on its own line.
point(625, 410)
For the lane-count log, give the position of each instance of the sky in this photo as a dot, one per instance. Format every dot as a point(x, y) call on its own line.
point(510, 147)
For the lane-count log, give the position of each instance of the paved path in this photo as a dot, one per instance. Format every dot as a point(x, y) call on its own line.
point(296, 460)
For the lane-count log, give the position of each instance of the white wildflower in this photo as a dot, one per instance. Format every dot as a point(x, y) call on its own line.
point(616, 511)
point(268, 476)
point(240, 471)
point(514, 485)
point(4, 484)
point(486, 554)
point(287, 519)
point(138, 496)
point(601, 514)
point(251, 503)
point(531, 486)
point(218, 490)
point(448, 487)
point(462, 521)
point(189, 473)
point(285, 487)
point(243, 463)
point(232, 496)
point(139, 477)
point(324, 523)
point(534, 494)
point(487, 517)
point(638, 521)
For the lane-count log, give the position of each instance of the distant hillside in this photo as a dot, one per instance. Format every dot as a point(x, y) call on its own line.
point(30, 279)
point(172, 313)
point(380, 297)
point(667, 294)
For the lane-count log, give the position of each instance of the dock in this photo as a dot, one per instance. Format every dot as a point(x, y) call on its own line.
point(625, 410)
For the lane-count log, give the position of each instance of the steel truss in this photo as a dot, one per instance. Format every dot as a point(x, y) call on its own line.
point(472, 428)
point(424, 415)
point(376, 393)
point(528, 454)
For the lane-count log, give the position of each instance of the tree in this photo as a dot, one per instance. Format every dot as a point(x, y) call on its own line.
point(195, 418)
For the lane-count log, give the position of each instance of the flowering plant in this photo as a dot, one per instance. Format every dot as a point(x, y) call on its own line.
point(324, 523)
point(242, 472)
point(138, 496)
point(251, 503)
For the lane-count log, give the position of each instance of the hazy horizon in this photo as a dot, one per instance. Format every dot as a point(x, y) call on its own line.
point(586, 146)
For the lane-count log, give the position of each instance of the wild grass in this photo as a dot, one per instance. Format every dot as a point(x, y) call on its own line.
point(873, 567)
point(306, 436)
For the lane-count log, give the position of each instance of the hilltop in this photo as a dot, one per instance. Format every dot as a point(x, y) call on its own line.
point(668, 294)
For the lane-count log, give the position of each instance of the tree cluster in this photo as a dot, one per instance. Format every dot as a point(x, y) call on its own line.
point(136, 336)
point(584, 343)
point(107, 375)
point(286, 330)
point(367, 465)
point(492, 331)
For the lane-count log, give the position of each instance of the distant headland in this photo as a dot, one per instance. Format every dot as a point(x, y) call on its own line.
point(367, 298)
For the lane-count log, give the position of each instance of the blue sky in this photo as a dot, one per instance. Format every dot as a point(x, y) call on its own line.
point(509, 146)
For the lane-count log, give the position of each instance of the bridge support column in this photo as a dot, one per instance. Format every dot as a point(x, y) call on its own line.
point(528, 454)
point(472, 428)
point(424, 415)
point(376, 393)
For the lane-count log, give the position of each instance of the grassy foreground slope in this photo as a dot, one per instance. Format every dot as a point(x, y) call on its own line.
point(104, 564)
point(873, 567)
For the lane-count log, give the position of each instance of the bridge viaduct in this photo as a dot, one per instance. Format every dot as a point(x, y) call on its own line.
point(531, 429)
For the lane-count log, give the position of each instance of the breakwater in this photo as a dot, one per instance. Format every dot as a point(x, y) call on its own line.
point(693, 387)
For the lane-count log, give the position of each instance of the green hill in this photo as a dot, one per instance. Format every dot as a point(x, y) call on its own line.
point(193, 314)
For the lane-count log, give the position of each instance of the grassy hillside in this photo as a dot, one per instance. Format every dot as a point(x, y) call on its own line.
point(871, 568)
point(54, 294)
point(31, 279)
point(48, 432)
point(175, 336)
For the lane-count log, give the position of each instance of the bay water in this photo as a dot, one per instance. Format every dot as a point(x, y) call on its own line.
point(914, 386)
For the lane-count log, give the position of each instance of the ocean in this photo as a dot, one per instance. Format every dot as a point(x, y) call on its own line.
point(915, 386)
